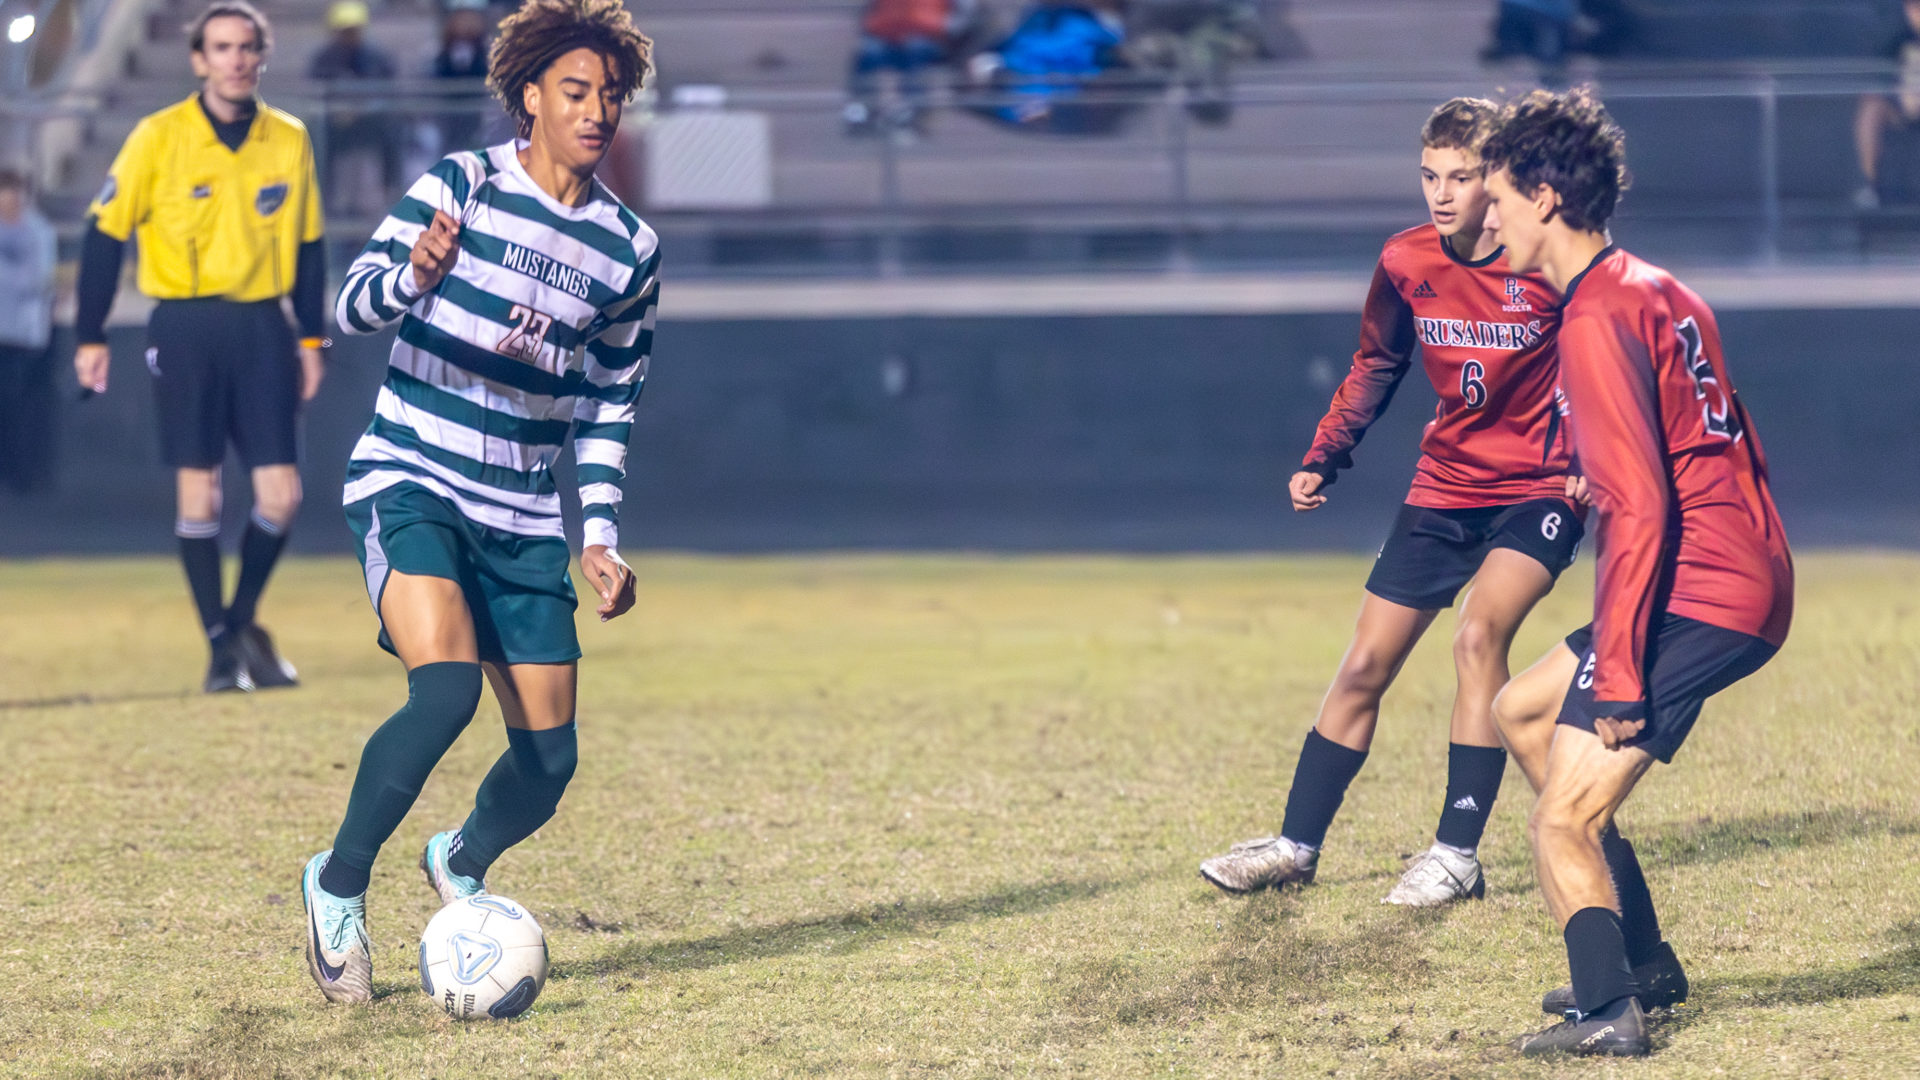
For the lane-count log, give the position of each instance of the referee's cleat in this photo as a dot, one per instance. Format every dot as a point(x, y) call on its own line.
point(1663, 985)
point(1436, 876)
point(433, 863)
point(264, 664)
point(339, 955)
point(227, 671)
point(1252, 865)
point(1619, 1030)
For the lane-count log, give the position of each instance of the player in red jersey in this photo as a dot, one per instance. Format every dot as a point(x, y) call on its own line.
point(1695, 585)
point(1490, 504)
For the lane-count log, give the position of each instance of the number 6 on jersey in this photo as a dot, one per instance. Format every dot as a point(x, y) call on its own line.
point(1473, 386)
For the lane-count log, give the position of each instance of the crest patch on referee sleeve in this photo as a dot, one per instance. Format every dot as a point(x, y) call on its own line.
point(108, 190)
point(270, 199)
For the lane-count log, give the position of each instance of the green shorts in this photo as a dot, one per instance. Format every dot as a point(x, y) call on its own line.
point(517, 587)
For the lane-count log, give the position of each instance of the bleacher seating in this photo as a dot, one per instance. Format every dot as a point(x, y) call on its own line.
point(1319, 144)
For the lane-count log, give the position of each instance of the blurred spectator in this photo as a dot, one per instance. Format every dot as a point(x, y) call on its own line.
point(1606, 27)
point(1535, 28)
point(907, 36)
point(1196, 42)
point(462, 56)
point(358, 132)
point(1050, 58)
point(27, 264)
point(1891, 121)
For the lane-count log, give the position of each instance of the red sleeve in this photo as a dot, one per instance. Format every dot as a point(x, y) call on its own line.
point(1609, 380)
point(1385, 353)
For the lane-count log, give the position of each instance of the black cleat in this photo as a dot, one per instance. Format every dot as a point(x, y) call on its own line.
point(227, 671)
point(1619, 1030)
point(264, 664)
point(1663, 984)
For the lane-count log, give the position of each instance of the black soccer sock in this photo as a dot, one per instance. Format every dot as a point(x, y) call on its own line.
point(441, 699)
point(1597, 959)
point(259, 550)
point(519, 795)
point(200, 556)
point(1320, 782)
point(1473, 782)
point(1638, 922)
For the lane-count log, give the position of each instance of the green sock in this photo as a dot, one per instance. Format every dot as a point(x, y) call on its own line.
point(519, 795)
point(441, 699)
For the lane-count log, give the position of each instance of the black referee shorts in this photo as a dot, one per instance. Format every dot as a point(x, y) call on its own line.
point(224, 371)
point(1430, 553)
point(1688, 662)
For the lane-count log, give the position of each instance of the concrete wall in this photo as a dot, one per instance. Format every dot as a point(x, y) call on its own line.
point(1151, 433)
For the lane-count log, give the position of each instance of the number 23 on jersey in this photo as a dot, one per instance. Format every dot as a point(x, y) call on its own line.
point(529, 333)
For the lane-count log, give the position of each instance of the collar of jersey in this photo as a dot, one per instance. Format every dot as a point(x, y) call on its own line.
point(590, 209)
point(210, 137)
point(1567, 297)
point(1474, 264)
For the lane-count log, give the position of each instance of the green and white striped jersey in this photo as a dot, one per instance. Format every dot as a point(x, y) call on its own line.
point(544, 324)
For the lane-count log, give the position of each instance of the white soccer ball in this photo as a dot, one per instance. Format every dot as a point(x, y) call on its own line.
point(483, 957)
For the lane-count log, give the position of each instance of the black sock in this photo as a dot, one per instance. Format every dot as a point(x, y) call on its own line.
point(441, 699)
point(1597, 958)
point(200, 555)
point(519, 795)
point(1638, 922)
point(259, 550)
point(1319, 786)
point(1473, 782)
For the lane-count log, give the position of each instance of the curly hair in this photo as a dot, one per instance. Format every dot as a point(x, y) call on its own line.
point(543, 31)
point(1569, 143)
point(1461, 124)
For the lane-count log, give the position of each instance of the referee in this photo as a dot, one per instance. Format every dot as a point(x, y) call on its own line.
point(219, 192)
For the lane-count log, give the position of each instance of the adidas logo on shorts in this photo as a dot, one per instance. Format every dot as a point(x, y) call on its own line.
point(1465, 802)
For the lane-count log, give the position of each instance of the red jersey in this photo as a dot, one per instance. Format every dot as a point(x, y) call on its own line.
point(1687, 524)
point(1486, 337)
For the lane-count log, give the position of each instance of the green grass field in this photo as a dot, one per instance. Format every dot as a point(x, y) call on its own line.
point(927, 817)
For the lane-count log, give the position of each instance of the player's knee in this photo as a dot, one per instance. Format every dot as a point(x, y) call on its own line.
point(277, 508)
point(449, 690)
point(1517, 708)
point(1559, 822)
point(1477, 645)
point(1364, 671)
point(1508, 714)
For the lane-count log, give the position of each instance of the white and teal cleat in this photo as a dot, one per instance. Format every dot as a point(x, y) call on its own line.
point(433, 863)
point(339, 954)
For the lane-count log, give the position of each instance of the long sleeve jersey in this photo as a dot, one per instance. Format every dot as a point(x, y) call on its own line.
point(545, 324)
point(1686, 521)
point(1486, 339)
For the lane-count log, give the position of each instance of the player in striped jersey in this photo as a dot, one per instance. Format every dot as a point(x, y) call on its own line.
point(524, 293)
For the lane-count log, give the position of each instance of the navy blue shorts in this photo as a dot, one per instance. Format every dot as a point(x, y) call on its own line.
point(224, 371)
point(1431, 554)
point(1688, 662)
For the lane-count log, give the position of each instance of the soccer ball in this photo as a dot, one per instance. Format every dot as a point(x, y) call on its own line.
point(484, 956)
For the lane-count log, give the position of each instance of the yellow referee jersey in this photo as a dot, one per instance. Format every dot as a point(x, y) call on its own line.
point(212, 221)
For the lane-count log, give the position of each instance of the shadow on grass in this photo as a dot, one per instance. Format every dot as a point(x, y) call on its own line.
point(72, 700)
point(231, 1037)
point(1263, 958)
point(1707, 841)
point(1896, 972)
point(840, 933)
